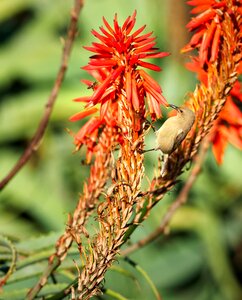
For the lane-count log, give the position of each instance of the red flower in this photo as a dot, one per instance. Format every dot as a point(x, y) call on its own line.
point(117, 67)
point(206, 39)
point(195, 66)
point(228, 128)
point(207, 27)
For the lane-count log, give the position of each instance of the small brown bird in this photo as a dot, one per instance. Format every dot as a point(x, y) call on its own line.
point(173, 132)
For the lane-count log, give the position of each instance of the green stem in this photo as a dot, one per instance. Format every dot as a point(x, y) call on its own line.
point(145, 275)
point(114, 294)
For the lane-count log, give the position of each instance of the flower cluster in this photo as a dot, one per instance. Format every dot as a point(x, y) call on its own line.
point(207, 39)
point(228, 128)
point(207, 27)
point(115, 66)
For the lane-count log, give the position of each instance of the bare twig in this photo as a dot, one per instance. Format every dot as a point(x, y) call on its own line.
point(180, 200)
point(35, 142)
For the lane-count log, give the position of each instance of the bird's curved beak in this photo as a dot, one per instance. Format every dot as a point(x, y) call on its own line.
point(175, 107)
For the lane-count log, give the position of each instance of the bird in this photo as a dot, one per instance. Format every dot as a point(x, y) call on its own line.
point(173, 132)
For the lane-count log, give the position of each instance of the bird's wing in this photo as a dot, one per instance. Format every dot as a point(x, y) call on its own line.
point(179, 138)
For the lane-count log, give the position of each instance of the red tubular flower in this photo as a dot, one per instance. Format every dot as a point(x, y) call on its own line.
point(115, 66)
point(228, 128)
point(207, 27)
point(206, 39)
point(195, 66)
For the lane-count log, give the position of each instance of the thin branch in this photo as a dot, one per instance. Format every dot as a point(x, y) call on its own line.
point(180, 200)
point(36, 140)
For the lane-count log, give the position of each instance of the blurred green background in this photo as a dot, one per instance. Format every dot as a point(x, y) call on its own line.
point(201, 258)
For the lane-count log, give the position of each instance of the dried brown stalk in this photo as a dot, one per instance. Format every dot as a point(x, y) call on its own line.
point(87, 203)
point(36, 140)
point(180, 200)
point(114, 213)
